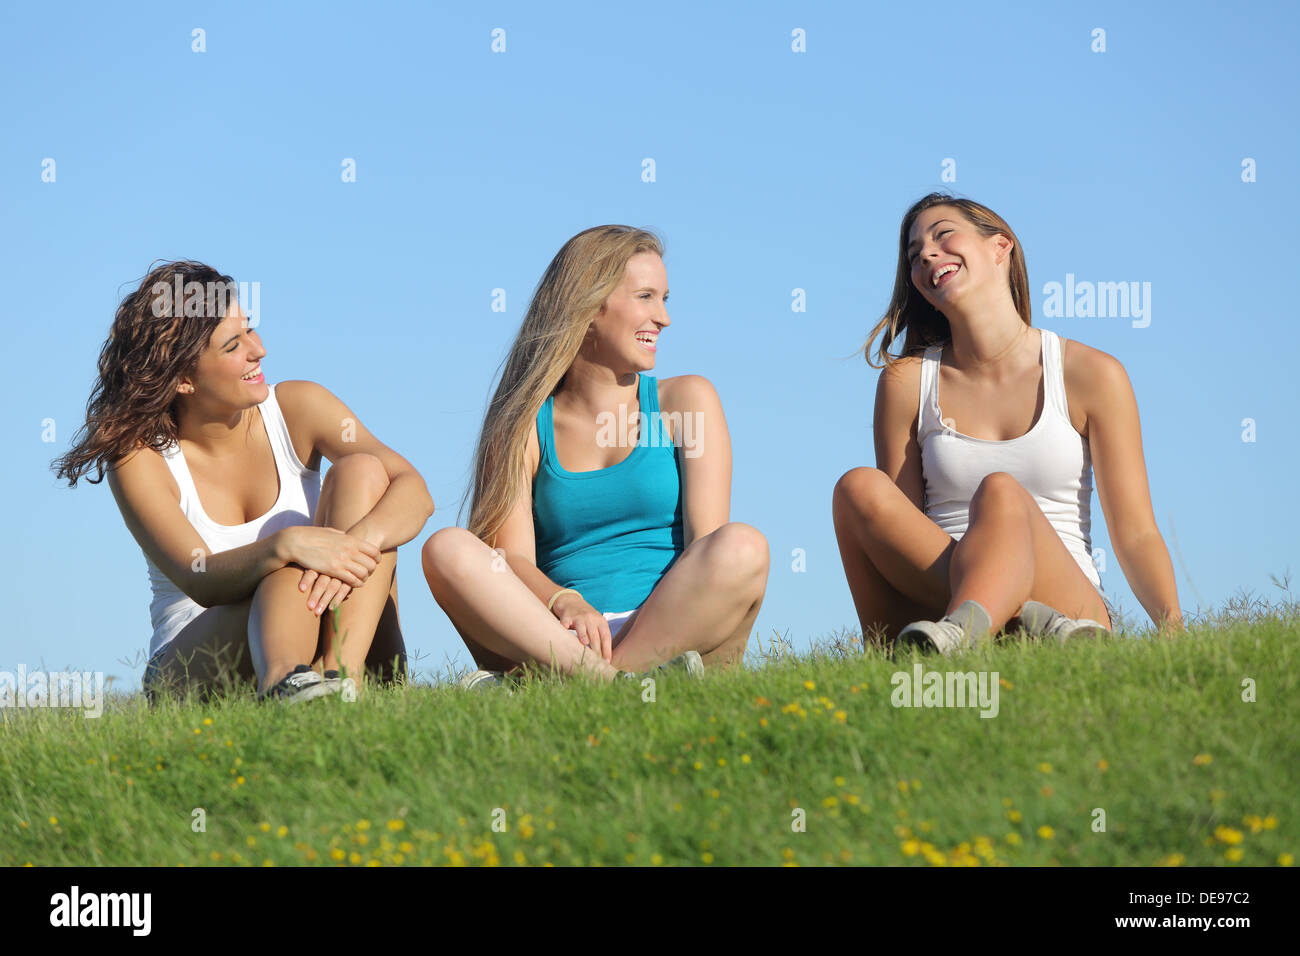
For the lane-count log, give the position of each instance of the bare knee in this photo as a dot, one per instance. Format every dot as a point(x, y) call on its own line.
point(739, 553)
point(360, 474)
point(864, 491)
point(998, 491)
point(453, 553)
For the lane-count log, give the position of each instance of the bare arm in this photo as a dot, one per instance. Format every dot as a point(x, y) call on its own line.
point(335, 432)
point(706, 468)
point(895, 421)
point(1115, 439)
point(149, 500)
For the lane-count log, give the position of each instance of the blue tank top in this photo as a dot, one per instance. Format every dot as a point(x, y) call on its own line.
point(611, 533)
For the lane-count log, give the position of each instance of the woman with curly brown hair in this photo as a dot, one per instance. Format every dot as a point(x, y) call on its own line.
point(987, 432)
point(217, 475)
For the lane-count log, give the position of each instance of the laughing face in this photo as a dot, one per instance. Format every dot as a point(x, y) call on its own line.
point(949, 258)
point(626, 330)
point(229, 371)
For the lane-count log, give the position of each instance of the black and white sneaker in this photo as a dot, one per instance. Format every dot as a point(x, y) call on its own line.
point(303, 684)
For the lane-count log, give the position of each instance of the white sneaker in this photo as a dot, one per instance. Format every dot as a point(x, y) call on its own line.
point(481, 680)
point(942, 636)
point(1040, 620)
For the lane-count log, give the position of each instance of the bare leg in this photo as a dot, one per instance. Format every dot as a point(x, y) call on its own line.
point(706, 602)
point(1011, 554)
point(501, 621)
point(352, 487)
point(895, 558)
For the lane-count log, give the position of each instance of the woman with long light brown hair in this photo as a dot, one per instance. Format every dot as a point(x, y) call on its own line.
point(987, 432)
point(217, 476)
point(599, 538)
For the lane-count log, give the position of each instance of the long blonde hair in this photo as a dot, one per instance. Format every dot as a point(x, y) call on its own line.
point(909, 314)
point(583, 274)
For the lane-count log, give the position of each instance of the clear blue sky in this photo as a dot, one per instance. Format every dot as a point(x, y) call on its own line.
point(775, 170)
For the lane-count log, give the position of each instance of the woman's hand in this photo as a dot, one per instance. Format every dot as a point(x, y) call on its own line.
point(325, 591)
point(589, 624)
point(329, 553)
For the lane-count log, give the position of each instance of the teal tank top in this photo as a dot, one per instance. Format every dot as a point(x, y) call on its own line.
point(611, 533)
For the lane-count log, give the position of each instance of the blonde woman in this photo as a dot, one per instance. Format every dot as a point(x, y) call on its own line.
point(987, 433)
point(599, 538)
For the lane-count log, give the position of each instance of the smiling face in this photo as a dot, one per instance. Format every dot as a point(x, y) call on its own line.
point(626, 330)
point(944, 245)
point(229, 370)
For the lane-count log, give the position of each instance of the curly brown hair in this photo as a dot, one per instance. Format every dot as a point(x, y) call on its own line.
point(158, 334)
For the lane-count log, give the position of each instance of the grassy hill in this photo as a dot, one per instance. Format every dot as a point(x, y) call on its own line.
point(802, 760)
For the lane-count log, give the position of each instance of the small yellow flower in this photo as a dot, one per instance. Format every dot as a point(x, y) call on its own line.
point(1046, 832)
point(744, 758)
point(841, 716)
point(54, 821)
point(1270, 822)
point(338, 854)
point(1044, 767)
point(1014, 816)
point(1201, 760)
point(239, 780)
point(840, 781)
point(265, 827)
point(1233, 853)
point(1227, 835)
point(207, 721)
point(282, 832)
point(902, 786)
point(251, 840)
point(396, 825)
point(698, 765)
point(656, 859)
point(830, 802)
point(722, 761)
point(363, 824)
point(1006, 683)
point(1173, 859)
point(911, 847)
point(1103, 766)
point(1013, 839)
point(809, 685)
point(1285, 859)
point(706, 857)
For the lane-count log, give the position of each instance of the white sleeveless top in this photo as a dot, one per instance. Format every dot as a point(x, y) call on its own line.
point(1051, 461)
point(171, 610)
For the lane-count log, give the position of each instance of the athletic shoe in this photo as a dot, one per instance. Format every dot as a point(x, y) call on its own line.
point(482, 680)
point(968, 623)
point(1040, 620)
point(943, 636)
point(303, 684)
point(689, 661)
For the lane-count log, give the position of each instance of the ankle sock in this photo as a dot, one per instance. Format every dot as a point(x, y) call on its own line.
point(973, 620)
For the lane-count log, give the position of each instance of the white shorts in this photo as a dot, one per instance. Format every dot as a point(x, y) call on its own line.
point(616, 621)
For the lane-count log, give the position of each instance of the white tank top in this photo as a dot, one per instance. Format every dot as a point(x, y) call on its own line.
point(1051, 461)
point(171, 610)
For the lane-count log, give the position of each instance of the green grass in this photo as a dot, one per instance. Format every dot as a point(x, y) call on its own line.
point(1155, 733)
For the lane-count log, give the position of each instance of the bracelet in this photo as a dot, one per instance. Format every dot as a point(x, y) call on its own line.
point(551, 603)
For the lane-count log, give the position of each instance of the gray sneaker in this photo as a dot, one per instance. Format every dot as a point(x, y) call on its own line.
point(942, 636)
point(302, 684)
point(689, 662)
point(1040, 620)
point(481, 680)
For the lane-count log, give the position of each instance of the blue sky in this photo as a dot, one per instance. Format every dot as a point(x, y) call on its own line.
point(775, 170)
